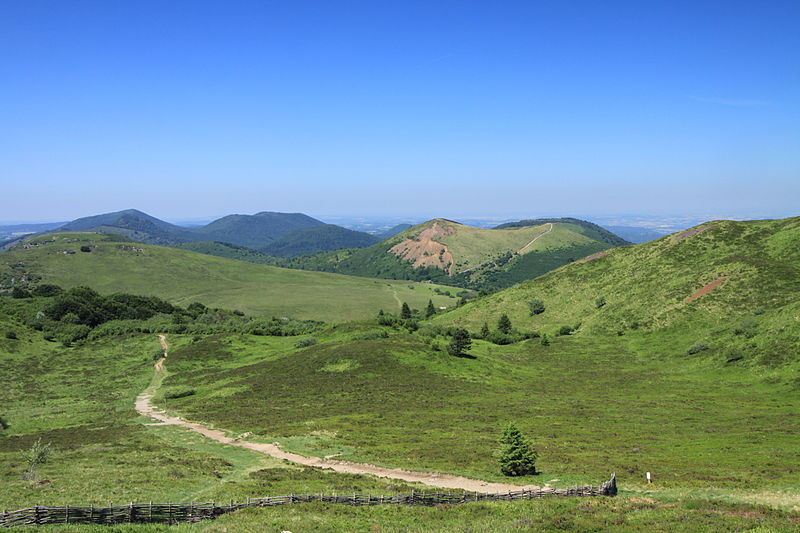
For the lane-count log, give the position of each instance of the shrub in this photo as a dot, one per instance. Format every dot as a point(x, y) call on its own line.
point(565, 330)
point(545, 341)
point(11, 335)
point(179, 394)
point(516, 454)
point(19, 293)
point(47, 289)
point(86, 248)
point(500, 338)
point(36, 455)
point(697, 348)
point(536, 307)
point(371, 335)
point(305, 343)
point(600, 302)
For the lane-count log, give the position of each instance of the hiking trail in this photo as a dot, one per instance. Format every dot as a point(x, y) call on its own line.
point(145, 408)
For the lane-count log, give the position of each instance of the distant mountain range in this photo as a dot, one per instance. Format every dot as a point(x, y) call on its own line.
point(279, 234)
point(438, 250)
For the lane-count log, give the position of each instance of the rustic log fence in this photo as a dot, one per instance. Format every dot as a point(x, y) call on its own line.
point(173, 513)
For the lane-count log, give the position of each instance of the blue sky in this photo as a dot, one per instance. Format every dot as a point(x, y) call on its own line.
point(189, 109)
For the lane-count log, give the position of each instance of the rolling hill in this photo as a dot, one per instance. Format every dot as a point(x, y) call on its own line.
point(254, 231)
point(730, 288)
point(318, 239)
point(277, 234)
point(448, 252)
point(116, 264)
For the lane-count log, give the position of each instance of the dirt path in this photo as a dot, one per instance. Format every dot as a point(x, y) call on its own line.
point(519, 252)
point(145, 408)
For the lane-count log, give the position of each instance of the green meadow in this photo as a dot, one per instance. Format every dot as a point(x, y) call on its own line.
point(700, 392)
point(182, 277)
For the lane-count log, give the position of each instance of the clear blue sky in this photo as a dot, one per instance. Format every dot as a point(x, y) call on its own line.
point(429, 108)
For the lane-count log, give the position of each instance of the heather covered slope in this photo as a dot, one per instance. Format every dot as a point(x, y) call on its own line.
point(731, 284)
point(116, 264)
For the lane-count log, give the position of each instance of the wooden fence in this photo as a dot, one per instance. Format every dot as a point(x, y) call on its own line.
point(173, 513)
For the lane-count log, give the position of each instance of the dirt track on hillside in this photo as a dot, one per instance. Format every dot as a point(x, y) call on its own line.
point(145, 408)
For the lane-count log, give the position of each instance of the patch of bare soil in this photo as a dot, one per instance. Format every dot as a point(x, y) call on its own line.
point(425, 251)
point(433, 479)
point(598, 255)
point(691, 232)
point(705, 290)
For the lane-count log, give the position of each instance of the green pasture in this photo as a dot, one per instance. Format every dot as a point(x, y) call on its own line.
point(182, 277)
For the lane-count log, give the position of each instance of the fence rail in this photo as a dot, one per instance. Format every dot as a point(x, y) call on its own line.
point(173, 513)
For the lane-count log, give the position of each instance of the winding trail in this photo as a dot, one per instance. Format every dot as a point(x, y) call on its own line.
point(145, 408)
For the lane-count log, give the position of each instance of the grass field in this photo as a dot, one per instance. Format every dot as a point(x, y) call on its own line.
point(183, 277)
point(716, 426)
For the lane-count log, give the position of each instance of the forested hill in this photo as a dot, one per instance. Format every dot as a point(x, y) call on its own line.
point(254, 231)
point(318, 239)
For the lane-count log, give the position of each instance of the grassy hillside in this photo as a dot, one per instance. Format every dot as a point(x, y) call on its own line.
point(182, 277)
point(716, 427)
point(731, 286)
point(449, 252)
point(318, 239)
point(231, 251)
point(582, 226)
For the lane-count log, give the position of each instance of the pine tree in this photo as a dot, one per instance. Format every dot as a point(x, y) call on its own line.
point(430, 310)
point(405, 311)
point(485, 331)
point(461, 342)
point(504, 324)
point(516, 455)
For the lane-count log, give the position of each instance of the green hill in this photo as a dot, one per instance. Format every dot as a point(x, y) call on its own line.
point(684, 364)
point(582, 226)
point(254, 231)
point(133, 224)
point(181, 276)
point(730, 286)
point(448, 252)
point(318, 239)
point(231, 251)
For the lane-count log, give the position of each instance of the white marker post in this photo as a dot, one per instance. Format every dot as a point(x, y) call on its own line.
point(648, 478)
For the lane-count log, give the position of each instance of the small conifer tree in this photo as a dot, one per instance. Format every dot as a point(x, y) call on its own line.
point(430, 310)
point(405, 311)
point(504, 324)
point(485, 331)
point(516, 454)
point(461, 342)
